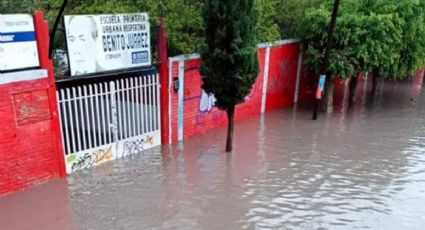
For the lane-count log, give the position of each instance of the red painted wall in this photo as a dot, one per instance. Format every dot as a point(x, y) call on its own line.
point(282, 76)
point(308, 84)
point(417, 82)
point(26, 139)
point(280, 91)
point(30, 142)
point(341, 93)
point(173, 104)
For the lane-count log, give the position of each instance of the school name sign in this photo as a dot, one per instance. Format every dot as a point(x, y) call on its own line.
point(18, 45)
point(99, 43)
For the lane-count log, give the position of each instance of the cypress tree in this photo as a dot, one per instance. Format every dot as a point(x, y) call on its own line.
point(229, 58)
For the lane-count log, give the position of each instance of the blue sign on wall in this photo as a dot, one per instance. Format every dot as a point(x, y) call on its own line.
point(322, 82)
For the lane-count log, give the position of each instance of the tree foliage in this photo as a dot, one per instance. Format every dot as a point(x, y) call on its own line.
point(184, 19)
point(267, 26)
point(290, 14)
point(22, 6)
point(383, 36)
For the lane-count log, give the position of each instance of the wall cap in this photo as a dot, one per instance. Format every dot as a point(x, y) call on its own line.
point(186, 57)
point(278, 43)
point(18, 76)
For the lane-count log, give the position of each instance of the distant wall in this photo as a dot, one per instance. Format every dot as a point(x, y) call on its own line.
point(192, 113)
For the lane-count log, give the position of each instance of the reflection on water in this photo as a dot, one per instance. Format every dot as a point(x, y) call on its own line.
point(364, 168)
point(44, 207)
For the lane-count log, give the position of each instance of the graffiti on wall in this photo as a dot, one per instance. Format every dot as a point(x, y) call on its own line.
point(102, 155)
point(80, 162)
point(286, 65)
point(89, 159)
point(207, 102)
point(205, 109)
point(133, 147)
point(287, 69)
point(201, 118)
point(136, 146)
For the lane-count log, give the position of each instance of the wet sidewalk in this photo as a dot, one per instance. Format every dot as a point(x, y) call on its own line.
point(362, 168)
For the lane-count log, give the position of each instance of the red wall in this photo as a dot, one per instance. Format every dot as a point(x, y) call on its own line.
point(280, 91)
point(30, 143)
point(27, 140)
point(281, 84)
point(282, 76)
point(341, 93)
point(417, 82)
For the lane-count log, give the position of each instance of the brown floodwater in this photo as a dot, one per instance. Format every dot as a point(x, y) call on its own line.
point(360, 168)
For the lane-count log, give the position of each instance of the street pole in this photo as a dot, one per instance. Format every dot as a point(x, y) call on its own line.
point(331, 32)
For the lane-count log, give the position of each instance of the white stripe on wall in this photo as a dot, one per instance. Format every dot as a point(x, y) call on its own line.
point(265, 79)
point(27, 75)
point(170, 131)
point(180, 118)
point(299, 69)
point(278, 43)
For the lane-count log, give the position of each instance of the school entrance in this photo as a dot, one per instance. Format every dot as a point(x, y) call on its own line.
point(102, 120)
point(109, 105)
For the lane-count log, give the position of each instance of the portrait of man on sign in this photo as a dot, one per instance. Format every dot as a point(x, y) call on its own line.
point(82, 35)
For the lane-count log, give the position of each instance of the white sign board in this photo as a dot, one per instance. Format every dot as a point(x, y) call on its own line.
point(99, 43)
point(18, 46)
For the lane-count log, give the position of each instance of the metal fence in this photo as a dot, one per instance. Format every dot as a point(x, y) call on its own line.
point(101, 116)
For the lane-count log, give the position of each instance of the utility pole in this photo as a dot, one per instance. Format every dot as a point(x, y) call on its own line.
point(329, 78)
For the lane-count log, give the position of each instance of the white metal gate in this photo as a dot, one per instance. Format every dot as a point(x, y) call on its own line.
point(109, 120)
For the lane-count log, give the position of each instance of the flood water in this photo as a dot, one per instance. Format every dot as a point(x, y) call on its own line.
point(362, 168)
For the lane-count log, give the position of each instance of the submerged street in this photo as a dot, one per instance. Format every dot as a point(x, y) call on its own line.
point(359, 168)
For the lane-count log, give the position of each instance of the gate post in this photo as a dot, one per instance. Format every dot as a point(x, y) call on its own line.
point(164, 81)
point(42, 37)
point(114, 111)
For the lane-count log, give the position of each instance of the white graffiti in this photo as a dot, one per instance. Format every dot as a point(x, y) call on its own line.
point(133, 147)
point(207, 102)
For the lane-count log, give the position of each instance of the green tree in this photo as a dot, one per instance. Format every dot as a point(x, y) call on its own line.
point(383, 37)
point(267, 26)
point(289, 16)
point(184, 25)
point(412, 51)
point(14, 6)
point(229, 58)
point(184, 19)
